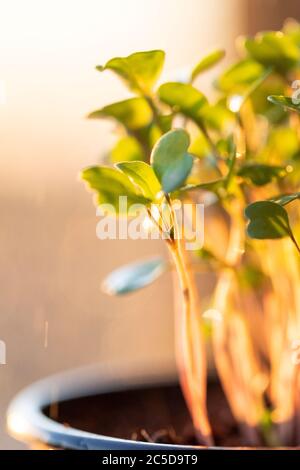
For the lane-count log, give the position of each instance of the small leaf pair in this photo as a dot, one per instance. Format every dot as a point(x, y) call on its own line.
point(140, 182)
point(170, 165)
point(109, 184)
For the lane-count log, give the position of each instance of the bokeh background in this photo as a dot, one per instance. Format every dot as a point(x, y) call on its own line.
point(53, 315)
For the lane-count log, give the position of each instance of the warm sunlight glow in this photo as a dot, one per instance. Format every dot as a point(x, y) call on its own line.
point(16, 424)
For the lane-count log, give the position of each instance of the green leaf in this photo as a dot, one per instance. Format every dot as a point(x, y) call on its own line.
point(284, 199)
point(207, 62)
point(260, 174)
point(218, 117)
point(267, 220)
point(134, 113)
point(273, 48)
point(127, 149)
point(184, 98)
point(142, 174)
point(240, 75)
point(285, 102)
point(200, 146)
point(140, 70)
point(109, 184)
point(217, 187)
point(274, 84)
point(170, 160)
point(236, 101)
point(282, 145)
point(134, 276)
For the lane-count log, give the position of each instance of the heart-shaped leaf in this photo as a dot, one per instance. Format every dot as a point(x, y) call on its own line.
point(143, 176)
point(184, 98)
point(207, 62)
point(133, 276)
point(267, 220)
point(109, 184)
point(134, 113)
point(260, 174)
point(139, 70)
point(170, 160)
point(285, 102)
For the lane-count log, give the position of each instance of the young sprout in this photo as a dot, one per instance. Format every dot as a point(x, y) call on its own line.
point(243, 149)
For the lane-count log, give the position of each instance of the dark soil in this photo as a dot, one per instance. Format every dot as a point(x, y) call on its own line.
point(156, 414)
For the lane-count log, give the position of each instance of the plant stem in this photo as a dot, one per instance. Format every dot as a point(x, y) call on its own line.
point(190, 347)
point(231, 338)
point(156, 115)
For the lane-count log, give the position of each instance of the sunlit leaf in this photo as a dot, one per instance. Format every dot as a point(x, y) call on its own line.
point(134, 113)
point(218, 117)
point(207, 62)
point(184, 98)
point(200, 146)
point(109, 184)
point(142, 174)
point(273, 85)
point(260, 174)
point(267, 220)
point(127, 149)
point(139, 70)
point(240, 75)
point(134, 276)
point(285, 102)
point(273, 48)
point(282, 145)
point(171, 162)
point(217, 187)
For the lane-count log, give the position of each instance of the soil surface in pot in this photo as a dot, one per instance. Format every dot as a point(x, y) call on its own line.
point(156, 414)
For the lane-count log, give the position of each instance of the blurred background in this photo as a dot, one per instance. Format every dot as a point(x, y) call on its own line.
point(53, 314)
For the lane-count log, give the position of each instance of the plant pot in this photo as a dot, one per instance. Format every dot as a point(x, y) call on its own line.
point(28, 415)
point(28, 423)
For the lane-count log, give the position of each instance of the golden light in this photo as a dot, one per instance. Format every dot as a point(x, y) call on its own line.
point(235, 102)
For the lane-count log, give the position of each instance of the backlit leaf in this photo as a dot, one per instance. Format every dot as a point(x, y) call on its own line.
point(127, 149)
point(240, 75)
point(217, 187)
point(139, 70)
point(109, 184)
point(207, 62)
point(142, 174)
point(134, 113)
point(273, 48)
point(184, 98)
